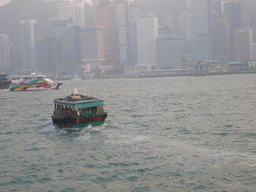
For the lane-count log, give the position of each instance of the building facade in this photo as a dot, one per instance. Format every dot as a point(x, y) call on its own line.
point(28, 44)
point(133, 12)
point(147, 32)
point(243, 42)
point(232, 12)
point(92, 45)
point(4, 53)
point(106, 17)
point(201, 41)
point(221, 40)
point(169, 52)
point(121, 9)
point(49, 55)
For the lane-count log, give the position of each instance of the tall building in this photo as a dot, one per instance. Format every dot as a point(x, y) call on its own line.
point(49, 55)
point(147, 32)
point(201, 30)
point(121, 9)
point(248, 8)
point(92, 45)
point(28, 44)
point(67, 37)
point(133, 12)
point(106, 17)
point(232, 12)
point(221, 40)
point(169, 22)
point(4, 53)
point(74, 10)
point(169, 52)
point(243, 43)
point(185, 25)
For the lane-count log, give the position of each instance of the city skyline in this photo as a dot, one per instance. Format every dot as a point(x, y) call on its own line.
point(133, 36)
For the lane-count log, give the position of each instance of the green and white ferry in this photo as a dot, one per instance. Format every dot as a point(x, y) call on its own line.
point(77, 111)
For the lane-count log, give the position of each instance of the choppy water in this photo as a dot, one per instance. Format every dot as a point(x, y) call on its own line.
point(162, 134)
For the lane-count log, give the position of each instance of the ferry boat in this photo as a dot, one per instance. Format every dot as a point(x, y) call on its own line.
point(77, 111)
point(4, 81)
point(33, 82)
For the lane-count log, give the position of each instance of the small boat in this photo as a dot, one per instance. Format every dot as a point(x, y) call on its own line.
point(77, 111)
point(33, 82)
point(4, 81)
point(77, 78)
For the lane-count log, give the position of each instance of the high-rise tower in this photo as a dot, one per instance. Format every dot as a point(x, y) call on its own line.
point(201, 29)
point(28, 44)
point(4, 53)
point(243, 42)
point(221, 40)
point(106, 17)
point(232, 12)
point(147, 32)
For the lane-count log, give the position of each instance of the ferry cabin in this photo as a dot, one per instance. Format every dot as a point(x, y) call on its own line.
point(79, 113)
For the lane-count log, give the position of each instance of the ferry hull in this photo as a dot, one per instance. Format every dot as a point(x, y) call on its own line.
point(79, 122)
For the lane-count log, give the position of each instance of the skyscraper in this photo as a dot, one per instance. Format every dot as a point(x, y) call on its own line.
point(248, 8)
point(92, 45)
point(221, 40)
point(28, 44)
point(201, 29)
point(169, 50)
point(68, 64)
point(232, 12)
point(169, 22)
point(243, 43)
point(147, 32)
point(121, 9)
point(185, 25)
point(4, 53)
point(49, 55)
point(106, 17)
point(75, 11)
point(133, 13)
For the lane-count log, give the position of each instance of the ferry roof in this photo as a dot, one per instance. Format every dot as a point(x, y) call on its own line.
point(79, 104)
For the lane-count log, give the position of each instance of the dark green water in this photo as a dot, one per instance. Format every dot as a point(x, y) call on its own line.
point(162, 134)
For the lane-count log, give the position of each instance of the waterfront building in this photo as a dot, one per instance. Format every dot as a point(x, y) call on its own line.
point(106, 17)
point(121, 9)
point(232, 12)
point(92, 45)
point(253, 51)
point(133, 12)
point(28, 45)
point(200, 29)
point(49, 55)
point(147, 32)
point(68, 50)
point(243, 42)
point(4, 53)
point(221, 40)
point(252, 64)
point(169, 52)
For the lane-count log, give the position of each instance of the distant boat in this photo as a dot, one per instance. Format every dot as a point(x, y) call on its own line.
point(4, 81)
point(77, 111)
point(77, 78)
point(33, 82)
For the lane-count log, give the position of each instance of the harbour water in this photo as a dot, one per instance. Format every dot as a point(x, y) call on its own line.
point(161, 134)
